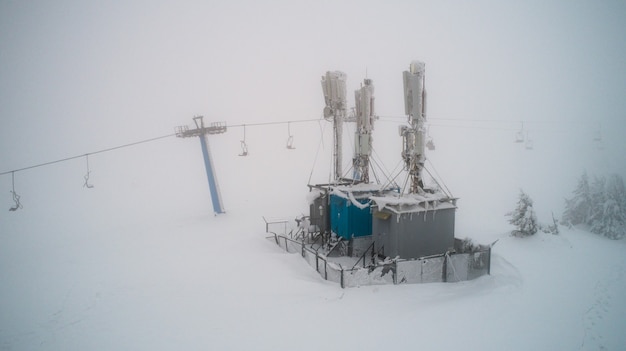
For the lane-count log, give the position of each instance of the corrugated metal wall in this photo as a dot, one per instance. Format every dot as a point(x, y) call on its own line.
point(319, 213)
point(414, 235)
point(347, 220)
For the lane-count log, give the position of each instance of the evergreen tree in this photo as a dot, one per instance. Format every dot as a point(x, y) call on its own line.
point(598, 198)
point(615, 189)
point(523, 217)
point(578, 208)
point(601, 206)
point(609, 217)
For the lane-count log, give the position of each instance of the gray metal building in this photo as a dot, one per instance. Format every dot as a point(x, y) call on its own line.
point(413, 226)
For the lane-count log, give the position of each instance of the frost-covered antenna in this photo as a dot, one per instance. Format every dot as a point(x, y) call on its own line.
point(334, 89)
point(413, 136)
point(364, 101)
point(87, 185)
point(16, 197)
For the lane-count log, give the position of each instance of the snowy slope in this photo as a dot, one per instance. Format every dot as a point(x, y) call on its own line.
point(139, 263)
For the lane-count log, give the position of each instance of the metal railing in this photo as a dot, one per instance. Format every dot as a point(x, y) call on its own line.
point(447, 267)
point(363, 255)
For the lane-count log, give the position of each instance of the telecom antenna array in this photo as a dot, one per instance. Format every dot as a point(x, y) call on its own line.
point(413, 136)
point(201, 131)
point(334, 88)
point(364, 101)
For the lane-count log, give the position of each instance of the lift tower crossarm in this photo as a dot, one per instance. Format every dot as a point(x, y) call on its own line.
point(214, 128)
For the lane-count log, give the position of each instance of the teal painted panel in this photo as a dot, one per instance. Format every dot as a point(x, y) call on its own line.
point(347, 220)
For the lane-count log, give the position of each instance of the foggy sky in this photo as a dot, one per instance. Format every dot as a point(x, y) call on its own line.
point(79, 76)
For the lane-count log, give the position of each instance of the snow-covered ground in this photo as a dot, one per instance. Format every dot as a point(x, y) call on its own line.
point(140, 263)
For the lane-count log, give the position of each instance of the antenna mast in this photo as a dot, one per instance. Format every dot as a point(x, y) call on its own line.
point(334, 88)
point(364, 101)
point(413, 136)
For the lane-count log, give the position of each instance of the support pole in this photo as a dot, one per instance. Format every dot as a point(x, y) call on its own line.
point(334, 88)
point(338, 144)
point(202, 132)
point(216, 197)
point(413, 151)
point(364, 100)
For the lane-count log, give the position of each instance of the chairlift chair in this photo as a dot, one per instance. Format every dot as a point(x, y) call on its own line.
point(519, 136)
point(244, 146)
point(599, 144)
point(289, 138)
point(16, 197)
point(597, 136)
point(290, 143)
point(86, 184)
point(529, 143)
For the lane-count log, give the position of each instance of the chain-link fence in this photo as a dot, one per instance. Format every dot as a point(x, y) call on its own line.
point(448, 267)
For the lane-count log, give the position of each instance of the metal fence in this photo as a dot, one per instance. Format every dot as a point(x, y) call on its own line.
point(448, 267)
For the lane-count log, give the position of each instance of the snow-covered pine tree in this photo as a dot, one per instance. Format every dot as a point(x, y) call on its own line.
point(523, 217)
point(578, 208)
point(609, 217)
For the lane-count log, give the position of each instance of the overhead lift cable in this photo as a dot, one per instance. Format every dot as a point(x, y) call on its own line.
point(90, 153)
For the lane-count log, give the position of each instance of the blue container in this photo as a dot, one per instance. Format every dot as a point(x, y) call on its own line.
point(348, 220)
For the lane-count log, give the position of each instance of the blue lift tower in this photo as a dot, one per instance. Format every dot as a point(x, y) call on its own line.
point(201, 131)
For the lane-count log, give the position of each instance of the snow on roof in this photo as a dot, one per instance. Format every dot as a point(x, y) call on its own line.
point(313, 195)
point(409, 203)
point(361, 188)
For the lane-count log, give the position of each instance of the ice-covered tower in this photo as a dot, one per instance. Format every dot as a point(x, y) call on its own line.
point(364, 101)
point(334, 88)
point(413, 136)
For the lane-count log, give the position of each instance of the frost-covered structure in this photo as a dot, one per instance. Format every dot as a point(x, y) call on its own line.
point(413, 226)
point(361, 233)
